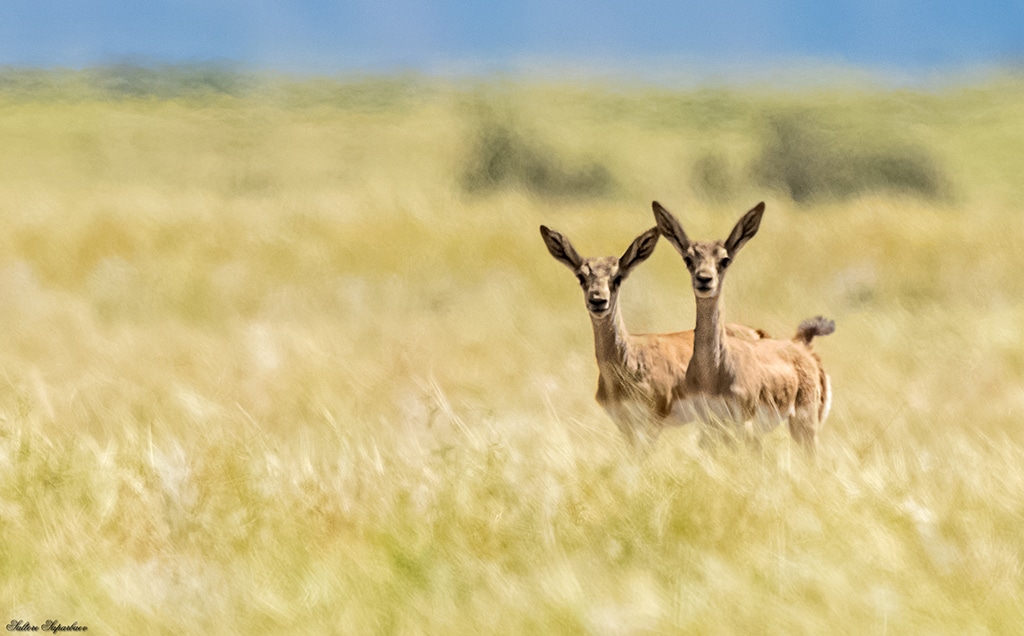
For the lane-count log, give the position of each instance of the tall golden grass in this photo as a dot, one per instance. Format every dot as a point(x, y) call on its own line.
point(268, 365)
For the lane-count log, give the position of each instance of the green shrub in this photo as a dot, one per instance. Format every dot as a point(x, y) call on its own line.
point(810, 160)
point(712, 177)
point(168, 81)
point(502, 157)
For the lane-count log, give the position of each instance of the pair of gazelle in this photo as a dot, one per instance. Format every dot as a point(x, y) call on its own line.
point(727, 376)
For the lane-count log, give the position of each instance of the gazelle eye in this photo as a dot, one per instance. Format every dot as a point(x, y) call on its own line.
point(688, 261)
point(579, 277)
point(724, 262)
point(617, 280)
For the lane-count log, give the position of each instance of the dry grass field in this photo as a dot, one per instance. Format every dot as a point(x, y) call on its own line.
point(281, 354)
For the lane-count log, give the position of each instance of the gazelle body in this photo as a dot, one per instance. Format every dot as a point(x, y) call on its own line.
point(640, 376)
point(761, 383)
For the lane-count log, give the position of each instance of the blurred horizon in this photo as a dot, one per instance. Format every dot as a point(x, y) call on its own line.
point(736, 39)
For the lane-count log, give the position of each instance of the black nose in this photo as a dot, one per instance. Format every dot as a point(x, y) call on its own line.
point(597, 304)
point(703, 280)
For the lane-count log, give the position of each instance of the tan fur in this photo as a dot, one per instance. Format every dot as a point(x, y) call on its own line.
point(639, 375)
point(763, 382)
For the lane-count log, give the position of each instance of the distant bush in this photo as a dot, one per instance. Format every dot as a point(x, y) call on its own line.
point(502, 157)
point(165, 82)
point(810, 161)
point(26, 81)
point(712, 177)
point(126, 81)
point(175, 81)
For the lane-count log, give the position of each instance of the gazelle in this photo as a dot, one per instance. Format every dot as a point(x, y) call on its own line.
point(639, 375)
point(730, 379)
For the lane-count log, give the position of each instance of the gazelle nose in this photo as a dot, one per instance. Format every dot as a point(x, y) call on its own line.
point(703, 279)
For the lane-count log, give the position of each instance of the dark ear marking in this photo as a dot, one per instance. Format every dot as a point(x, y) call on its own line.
point(670, 227)
point(560, 247)
point(638, 251)
point(745, 229)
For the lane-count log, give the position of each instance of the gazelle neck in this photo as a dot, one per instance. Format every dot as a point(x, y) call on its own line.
point(611, 340)
point(708, 365)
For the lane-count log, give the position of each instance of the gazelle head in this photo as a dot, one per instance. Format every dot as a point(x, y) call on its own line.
point(707, 261)
point(600, 277)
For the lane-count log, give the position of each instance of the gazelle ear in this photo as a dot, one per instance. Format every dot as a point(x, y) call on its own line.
point(669, 226)
point(561, 248)
point(639, 251)
point(745, 229)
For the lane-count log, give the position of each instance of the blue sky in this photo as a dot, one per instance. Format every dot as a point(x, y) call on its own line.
point(427, 35)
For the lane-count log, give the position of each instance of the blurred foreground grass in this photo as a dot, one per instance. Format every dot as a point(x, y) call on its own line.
point(268, 360)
